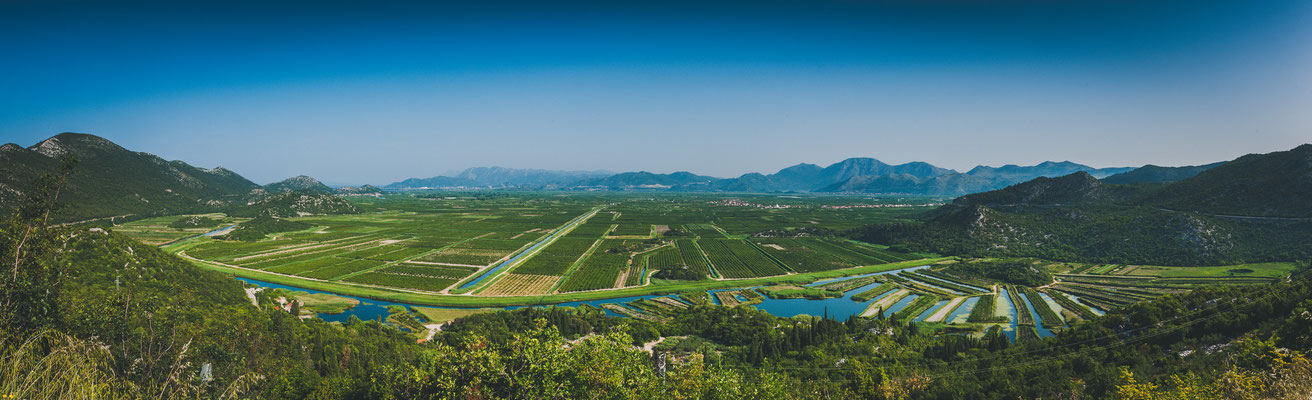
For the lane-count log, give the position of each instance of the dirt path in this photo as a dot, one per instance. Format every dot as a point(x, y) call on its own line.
point(885, 302)
point(432, 331)
point(649, 346)
point(942, 313)
point(250, 294)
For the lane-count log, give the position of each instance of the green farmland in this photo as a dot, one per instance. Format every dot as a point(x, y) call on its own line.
point(519, 248)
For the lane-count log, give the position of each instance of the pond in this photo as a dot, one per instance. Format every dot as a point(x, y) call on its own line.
point(838, 308)
point(219, 231)
point(368, 309)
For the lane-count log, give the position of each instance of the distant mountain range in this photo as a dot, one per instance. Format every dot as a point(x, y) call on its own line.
point(499, 177)
point(853, 175)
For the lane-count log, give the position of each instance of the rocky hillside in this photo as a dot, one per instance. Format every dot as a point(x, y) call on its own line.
point(292, 204)
point(111, 180)
point(299, 183)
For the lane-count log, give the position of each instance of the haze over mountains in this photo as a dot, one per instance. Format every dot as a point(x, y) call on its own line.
point(853, 175)
point(115, 181)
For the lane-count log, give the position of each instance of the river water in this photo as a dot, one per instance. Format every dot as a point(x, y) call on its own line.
point(838, 308)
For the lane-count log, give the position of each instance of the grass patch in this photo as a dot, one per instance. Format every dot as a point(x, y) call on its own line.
point(1275, 270)
point(322, 303)
point(444, 315)
point(794, 292)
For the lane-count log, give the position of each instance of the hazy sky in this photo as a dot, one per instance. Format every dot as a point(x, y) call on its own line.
point(367, 92)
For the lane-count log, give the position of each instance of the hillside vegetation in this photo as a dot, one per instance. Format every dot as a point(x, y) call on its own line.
point(111, 181)
point(1222, 215)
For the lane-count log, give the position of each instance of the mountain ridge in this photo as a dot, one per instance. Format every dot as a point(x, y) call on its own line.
point(110, 180)
point(1251, 209)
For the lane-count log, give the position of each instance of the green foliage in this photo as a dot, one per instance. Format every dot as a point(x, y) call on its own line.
point(984, 310)
point(794, 292)
point(30, 275)
point(113, 181)
point(1247, 210)
point(1018, 272)
point(260, 227)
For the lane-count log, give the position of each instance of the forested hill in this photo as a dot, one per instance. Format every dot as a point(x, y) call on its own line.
point(109, 180)
point(1205, 219)
point(1260, 185)
point(1156, 174)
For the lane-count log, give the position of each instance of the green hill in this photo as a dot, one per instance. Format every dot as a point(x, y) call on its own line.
point(291, 204)
point(1155, 174)
point(111, 180)
point(1258, 185)
point(260, 227)
point(1078, 217)
point(299, 183)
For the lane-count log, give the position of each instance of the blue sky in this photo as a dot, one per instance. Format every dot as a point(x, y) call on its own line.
point(374, 92)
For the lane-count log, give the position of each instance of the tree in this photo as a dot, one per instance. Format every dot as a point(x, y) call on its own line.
point(27, 242)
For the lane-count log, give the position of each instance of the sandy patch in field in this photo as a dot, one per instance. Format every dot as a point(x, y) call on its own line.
point(389, 241)
point(521, 284)
point(946, 310)
point(661, 228)
point(774, 246)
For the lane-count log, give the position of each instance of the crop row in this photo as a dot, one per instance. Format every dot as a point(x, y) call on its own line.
point(636, 271)
point(847, 285)
point(556, 258)
point(915, 308)
point(875, 292)
point(520, 284)
point(845, 252)
point(691, 256)
point(703, 230)
point(1047, 316)
point(968, 282)
point(334, 247)
point(600, 270)
point(800, 257)
point(913, 275)
point(1023, 316)
point(984, 309)
point(403, 281)
point(341, 269)
point(436, 271)
point(1078, 309)
point(737, 259)
point(226, 250)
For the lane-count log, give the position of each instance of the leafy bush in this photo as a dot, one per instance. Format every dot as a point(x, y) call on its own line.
point(1013, 272)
